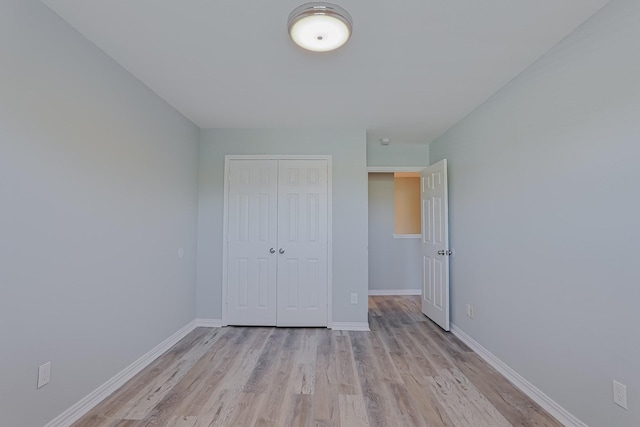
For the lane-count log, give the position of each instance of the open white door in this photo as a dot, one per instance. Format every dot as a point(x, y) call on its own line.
point(435, 244)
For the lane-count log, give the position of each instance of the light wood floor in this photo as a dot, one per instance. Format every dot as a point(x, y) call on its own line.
point(405, 372)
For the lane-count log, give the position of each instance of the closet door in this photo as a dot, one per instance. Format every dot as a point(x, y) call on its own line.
point(252, 242)
point(302, 243)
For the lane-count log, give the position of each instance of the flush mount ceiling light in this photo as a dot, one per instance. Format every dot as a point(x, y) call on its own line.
point(320, 26)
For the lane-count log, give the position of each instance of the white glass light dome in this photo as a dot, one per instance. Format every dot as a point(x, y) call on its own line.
point(320, 26)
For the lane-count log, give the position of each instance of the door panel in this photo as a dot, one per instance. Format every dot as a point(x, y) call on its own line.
point(435, 238)
point(303, 237)
point(252, 232)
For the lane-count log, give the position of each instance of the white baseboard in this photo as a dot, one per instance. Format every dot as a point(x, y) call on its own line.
point(385, 292)
point(549, 405)
point(87, 403)
point(208, 323)
point(350, 326)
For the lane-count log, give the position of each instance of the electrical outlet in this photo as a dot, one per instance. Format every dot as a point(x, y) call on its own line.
point(44, 374)
point(620, 394)
point(469, 311)
point(180, 253)
point(354, 297)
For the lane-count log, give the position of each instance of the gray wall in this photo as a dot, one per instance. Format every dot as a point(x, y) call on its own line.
point(544, 211)
point(394, 264)
point(98, 189)
point(349, 208)
point(397, 154)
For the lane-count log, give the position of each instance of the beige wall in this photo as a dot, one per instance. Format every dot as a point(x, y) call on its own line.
point(407, 204)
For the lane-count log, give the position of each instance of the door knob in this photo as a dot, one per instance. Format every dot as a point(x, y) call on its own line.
point(272, 250)
point(281, 251)
point(440, 252)
point(447, 252)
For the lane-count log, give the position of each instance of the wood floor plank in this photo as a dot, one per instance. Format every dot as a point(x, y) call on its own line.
point(404, 409)
point(303, 378)
point(486, 410)
point(221, 406)
point(246, 411)
point(353, 411)
point(125, 423)
point(325, 402)
point(379, 410)
point(461, 406)
point(142, 403)
point(509, 400)
point(185, 421)
point(258, 382)
point(426, 402)
point(274, 409)
point(299, 410)
point(126, 399)
point(190, 393)
point(405, 372)
point(234, 369)
point(345, 366)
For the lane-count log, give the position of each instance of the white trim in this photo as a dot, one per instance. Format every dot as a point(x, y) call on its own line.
point(225, 222)
point(548, 404)
point(407, 236)
point(383, 292)
point(329, 239)
point(350, 326)
point(278, 157)
point(225, 238)
point(88, 402)
point(208, 323)
point(391, 169)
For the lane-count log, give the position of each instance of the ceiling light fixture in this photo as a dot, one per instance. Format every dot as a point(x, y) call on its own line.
point(320, 26)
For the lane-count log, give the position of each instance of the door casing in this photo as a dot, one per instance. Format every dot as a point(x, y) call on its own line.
point(230, 157)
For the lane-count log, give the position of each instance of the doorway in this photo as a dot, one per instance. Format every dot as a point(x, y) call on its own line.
point(395, 266)
point(432, 264)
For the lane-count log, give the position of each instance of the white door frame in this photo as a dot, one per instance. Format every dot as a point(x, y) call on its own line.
point(225, 226)
point(392, 169)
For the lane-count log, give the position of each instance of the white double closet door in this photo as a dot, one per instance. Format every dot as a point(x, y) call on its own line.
point(277, 242)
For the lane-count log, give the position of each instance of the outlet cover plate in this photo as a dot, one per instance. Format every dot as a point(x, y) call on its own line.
point(620, 394)
point(469, 311)
point(44, 374)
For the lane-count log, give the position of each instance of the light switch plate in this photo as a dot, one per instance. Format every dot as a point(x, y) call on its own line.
point(44, 374)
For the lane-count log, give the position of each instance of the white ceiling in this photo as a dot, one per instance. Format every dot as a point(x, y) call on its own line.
point(411, 70)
